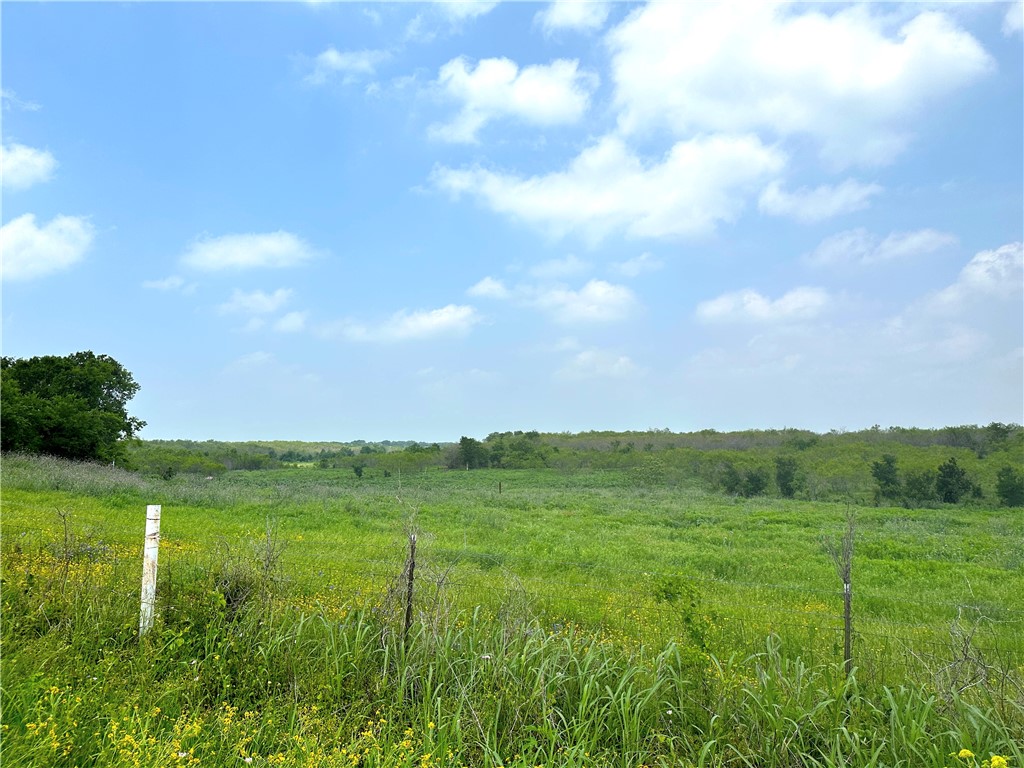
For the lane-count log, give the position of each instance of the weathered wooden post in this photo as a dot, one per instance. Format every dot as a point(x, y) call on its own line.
point(408, 586)
point(149, 556)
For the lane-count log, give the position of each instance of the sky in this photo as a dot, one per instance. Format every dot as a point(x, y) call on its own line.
point(416, 221)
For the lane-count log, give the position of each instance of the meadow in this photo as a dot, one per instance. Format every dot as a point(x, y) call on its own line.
point(574, 617)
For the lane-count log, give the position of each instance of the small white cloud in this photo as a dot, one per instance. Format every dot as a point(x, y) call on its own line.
point(607, 188)
point(596, 302)
point(858, 246)
point(552, 94)
point(824, 202)
point(10, 100)
point(598, 364)
point(251, 360)
point(990, 275)
point(452, 320)
point(489, 288)
point(254, 324)
point(31, 252)
point(172, 283)
point(460, 10)
point(1013, 22)
point(233, 252)
point(255, 302)
point(638, 265)
point(293, 322)
point(558, 268)
point(746, 306)
point(573, 15)
point(349, 65)
point(22, 167)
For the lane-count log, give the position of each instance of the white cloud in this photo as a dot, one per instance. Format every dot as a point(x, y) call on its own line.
point(22, 167)
point(596, 302)
point(489, 288)
point(255, 302)
point(233, 252)
point(575, 15)
point(172, 283)
point(348, 64)
point(254, 324)
point(745, 306)
point(452, 320)
point(990, 275)
point(824, 202)
point(556, 268)
point(598, 364)
point(1013, 22)
point(460, 10)
point(30, 252)
point(553, 94)
point(10, 99)
point(607, 188)
point(293, 322)
point(858, 246)
point(252, 360)
point(841, 78)
point(638, 265)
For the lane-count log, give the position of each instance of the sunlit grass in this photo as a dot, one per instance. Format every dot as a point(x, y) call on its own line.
point(572, 620)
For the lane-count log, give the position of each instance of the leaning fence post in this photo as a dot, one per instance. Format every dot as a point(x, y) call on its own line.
point(149, 556)
point(408, 587)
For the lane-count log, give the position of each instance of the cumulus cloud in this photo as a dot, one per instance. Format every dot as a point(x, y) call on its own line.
point(860, 247)
point(840, 77)
point(235, 252)
point(489, 288)
point(255, 302)
point(558, 268)
point(451, 320)
point(591, 364)
point(30, 251)
point(293, 322)
point(1013, 21)
point(22, 167)
point(989, 275)
point(554, 94)
point(349, 65)
point(823, 202)
point(746, 306)
point(461, 10)
point(607, 188)
point(171, 283)
point(573, 15)
point(596, 302)
point(638, 265)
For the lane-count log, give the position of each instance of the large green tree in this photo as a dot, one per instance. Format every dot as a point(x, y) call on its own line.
point(74, 406)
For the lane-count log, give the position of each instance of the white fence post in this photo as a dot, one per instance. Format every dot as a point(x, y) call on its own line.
point(149, 568)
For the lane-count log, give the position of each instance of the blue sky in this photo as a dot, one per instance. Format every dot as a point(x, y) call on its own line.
point(334, 221)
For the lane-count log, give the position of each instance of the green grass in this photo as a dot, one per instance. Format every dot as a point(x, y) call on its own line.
point(572, 619)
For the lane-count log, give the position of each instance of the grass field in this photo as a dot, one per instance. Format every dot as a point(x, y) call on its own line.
point(573, 618)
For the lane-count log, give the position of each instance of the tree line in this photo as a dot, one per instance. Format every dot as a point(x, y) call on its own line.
point(76, 407)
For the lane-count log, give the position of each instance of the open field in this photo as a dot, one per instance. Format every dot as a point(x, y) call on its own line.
point(574, 618)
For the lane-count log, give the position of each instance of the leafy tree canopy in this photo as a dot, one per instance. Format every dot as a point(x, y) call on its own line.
point(75, 407)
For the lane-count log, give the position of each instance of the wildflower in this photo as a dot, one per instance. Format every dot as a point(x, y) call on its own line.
point(965, 754)
point(246, 759)
point(998, 761)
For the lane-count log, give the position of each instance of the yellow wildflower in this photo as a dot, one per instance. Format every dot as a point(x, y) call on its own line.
point(998, 761)
point(965, 754)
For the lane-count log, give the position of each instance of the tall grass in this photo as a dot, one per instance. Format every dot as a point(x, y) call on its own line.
point(255, 660)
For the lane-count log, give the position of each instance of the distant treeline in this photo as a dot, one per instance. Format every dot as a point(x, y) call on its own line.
point(912, 466)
